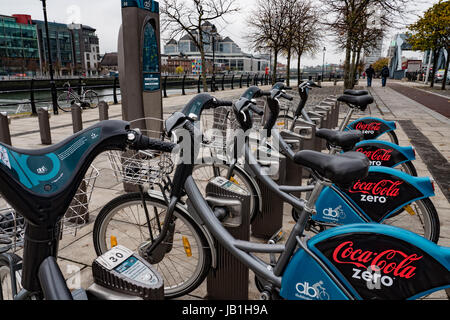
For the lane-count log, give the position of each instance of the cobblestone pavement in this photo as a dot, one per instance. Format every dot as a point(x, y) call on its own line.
point(77, 253)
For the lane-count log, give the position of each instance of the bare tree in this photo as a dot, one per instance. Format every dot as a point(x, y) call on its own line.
point(348, 21)
point(189, 17)
point(269, 27)
point(308, 34)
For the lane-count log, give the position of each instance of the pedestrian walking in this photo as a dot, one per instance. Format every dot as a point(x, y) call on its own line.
point(370, 72)
point(384, 75)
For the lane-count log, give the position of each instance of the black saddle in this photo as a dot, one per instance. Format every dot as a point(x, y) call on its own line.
point(360, 102)
point(340, 169)
point(343, 139)
point(356, 93)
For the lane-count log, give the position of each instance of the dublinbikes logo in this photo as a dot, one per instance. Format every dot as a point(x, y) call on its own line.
point(224, 146)
point(311, 292)
point(334, 214)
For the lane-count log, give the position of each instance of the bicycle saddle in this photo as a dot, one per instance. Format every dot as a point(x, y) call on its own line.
point(356, 92)
point(40, 184)
point(360, 102)
point(340, 169)
point(343, 139)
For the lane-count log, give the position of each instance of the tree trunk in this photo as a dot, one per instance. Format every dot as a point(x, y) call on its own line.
point(288, 76)
point(355, 66)
point(299, 73)
point(275, 62)
point(444, 80)
point(348, 52)
point(435, 58)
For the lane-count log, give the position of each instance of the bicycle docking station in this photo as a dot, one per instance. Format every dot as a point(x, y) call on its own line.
point(269, 221)
point(296, 143)
point(119, 274)
point(307, 132)
point(231, 204)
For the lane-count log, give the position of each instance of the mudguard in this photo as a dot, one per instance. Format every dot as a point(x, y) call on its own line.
point(372, 128)
point(385, 154)
point(380, 262)
point(380, 195)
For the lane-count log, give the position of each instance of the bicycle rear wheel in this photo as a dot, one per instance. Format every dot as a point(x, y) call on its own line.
point(65, 101)
point(187, 258)
point(91, 99)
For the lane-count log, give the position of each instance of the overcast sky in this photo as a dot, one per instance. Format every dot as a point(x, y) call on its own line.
point(105, 16)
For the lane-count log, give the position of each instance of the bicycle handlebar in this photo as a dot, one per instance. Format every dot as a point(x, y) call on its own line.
point(139, 141)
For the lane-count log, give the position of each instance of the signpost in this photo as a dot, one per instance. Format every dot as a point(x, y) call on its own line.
point(140, 64)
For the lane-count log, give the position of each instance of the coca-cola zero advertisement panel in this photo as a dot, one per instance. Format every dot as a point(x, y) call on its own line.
point(382, 267)
point(371, 128)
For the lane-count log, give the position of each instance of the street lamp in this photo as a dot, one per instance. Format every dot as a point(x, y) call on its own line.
point(323, 64)
point(52, 81)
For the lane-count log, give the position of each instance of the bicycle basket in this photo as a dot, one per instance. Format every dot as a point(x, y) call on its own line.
point(77, 215)
point(12, 227)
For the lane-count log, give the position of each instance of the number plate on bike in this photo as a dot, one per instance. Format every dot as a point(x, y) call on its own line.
point(114, 257)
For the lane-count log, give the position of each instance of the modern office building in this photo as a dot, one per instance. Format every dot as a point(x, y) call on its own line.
point(86, 49)
point(19, 48)
point(227, 55)
point(60, 47)
point(400, 53)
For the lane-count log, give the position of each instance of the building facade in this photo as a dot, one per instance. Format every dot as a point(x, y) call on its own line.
point(19, 47)
point(86, 49)
point(226, 54)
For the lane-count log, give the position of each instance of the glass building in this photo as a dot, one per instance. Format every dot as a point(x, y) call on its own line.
point(60, 46)
point(19, 49)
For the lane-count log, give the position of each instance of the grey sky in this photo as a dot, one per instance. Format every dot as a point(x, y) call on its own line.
point(105, 16)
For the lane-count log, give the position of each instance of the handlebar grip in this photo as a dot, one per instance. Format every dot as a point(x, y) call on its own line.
point(287, 88)
point(287, 97)
point(224, 103)
point(256, 110)
point(144, 143)
point(266, 93)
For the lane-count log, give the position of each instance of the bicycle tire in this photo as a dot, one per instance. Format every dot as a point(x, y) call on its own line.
point(166, 267)
point(91, 98)
point(431, 229)
point(65, 100)
point(393, 137)
point(409, 168)
point(239, 177)
point(5, 278)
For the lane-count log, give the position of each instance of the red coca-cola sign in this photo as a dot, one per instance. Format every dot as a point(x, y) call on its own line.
point(373, 126)
point(390, 261)
point(386, 188)
point(377, 155)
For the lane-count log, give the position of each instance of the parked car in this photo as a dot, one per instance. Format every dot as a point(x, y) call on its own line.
point(440, 76)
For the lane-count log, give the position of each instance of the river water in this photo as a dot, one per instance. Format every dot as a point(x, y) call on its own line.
point(20, 102)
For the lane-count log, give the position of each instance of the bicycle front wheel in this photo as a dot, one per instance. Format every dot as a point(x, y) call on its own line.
point(91, 99)
point(65, 101)
point(187, 259)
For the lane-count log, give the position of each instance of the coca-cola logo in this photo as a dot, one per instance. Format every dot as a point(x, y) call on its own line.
point(386, 188)
point(389, 262)
point(373, 126)
point(377, 155)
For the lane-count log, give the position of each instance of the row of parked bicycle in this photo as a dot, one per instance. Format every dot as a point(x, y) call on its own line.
point(376, 229)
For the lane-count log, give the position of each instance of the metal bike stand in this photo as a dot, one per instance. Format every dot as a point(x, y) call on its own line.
point(229, 280)
point(318, 120)
point(308, 133)
point(269, 220)
point(295, 141)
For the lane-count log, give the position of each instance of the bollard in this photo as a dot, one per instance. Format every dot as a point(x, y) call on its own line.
point(77, 120)
point(103, 108)
point(269, 221)
point(5, 135)
point(229, 280)
point(44, 126)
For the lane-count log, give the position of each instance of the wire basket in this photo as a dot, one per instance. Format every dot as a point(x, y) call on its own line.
point(141, 168)
point(77, 215)
point(12, 228)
